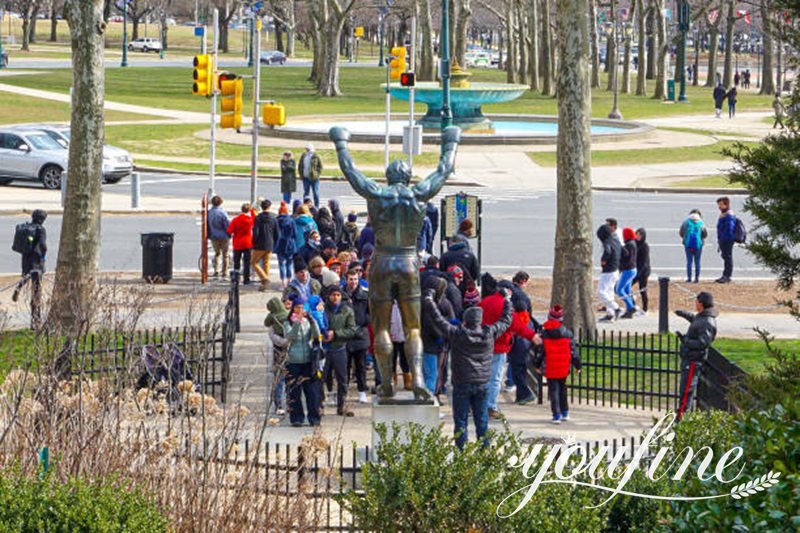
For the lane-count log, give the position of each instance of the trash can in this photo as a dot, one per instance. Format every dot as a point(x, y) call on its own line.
point(671, 90)
point(157, 257)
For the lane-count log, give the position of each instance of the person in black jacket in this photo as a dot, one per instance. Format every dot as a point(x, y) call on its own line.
point(694, 347)
point(642, 265)
point(338, 217)
point(433, 346)
point(265, 235)
point(311, 249)
point(433, 215)
point(458, 253)
point(357, 347)
point(33, 256)
point(609, 263)
point(628, 272)
point(472, 347)
point(326, 224)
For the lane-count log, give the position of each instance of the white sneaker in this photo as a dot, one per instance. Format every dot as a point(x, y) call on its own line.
point(280, 412)
point(511, 388)
point(362, 397)
point(331, 401)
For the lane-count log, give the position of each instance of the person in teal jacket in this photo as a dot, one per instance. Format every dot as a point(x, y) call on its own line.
point(301, 332)
point(305, 224)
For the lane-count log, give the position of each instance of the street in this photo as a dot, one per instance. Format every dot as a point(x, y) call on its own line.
point(518, 225)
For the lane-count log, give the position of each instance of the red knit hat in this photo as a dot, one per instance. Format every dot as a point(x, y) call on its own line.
point(628, 234)
point(455, 270)
point(556, 313)
point(284, 209)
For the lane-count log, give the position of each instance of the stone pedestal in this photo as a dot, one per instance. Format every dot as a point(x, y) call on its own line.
point(402, 409)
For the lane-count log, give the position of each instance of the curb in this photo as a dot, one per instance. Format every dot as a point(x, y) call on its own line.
point(674, 190)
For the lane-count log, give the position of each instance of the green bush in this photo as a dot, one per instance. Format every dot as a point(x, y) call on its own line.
point(426, 484)
point(33, 505)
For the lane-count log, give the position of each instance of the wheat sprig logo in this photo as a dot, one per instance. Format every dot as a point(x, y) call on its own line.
point(755, 485)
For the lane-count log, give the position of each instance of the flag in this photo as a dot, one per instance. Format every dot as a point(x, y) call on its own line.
point(744, 14)
point(713, 16)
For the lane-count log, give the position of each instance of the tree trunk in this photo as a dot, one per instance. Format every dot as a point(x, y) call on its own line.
point(548, 84)
point(626, 68)
point(696, 71)
point(79, 248)
point(222, 27)
point(779, 64)
point(641, 61)
point(331, 22)
point(533, 51)
point(595, 45)
point(650, 71)
point(572, 269)
point(511, 44)
point(612, 54)
point(291, 28)
point(316, 49)
point(34, 18)
point(522, 46)
point(426, 70)
point(135, 27)
point(767, 81)
point(53, 21)
point(727, 72)
point(279, 38)
point(713, 46)
point(463, 13)
point(662, 49)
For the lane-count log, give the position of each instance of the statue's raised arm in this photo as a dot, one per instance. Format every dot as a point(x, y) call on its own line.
point(430, 186)
point(360, 183)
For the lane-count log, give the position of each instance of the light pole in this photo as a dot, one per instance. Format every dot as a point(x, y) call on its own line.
point(2, 15)
point(610, 31)
point(124, 34)
point(683, 27)
point(444, 49)
point(381, 29)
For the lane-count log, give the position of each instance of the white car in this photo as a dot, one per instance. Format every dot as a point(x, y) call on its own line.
point(145, 44)
point(117, 162)
point(31, 156)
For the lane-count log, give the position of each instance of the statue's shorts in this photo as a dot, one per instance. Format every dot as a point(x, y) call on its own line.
point(394, 275)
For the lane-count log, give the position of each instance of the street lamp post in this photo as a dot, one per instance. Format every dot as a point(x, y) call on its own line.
point(2, 15)
point(381, 30)
point(444, 49)
point(610, 31)
point(251, 27)
point(124, 34)
point(683, 27)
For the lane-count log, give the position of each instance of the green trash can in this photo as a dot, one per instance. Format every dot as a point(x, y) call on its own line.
point(671, 90)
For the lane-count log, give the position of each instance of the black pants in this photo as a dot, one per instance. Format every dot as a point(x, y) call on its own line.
point(519, 373)
point(336, 365)
point(298, 381)
point(357, 360)
point(237, 263)
point(399, 354)
point(726, 250)
point(690, 376)
point(641, 281)
point(557, 388)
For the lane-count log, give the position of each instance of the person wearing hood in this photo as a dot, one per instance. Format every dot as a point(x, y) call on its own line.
point(321, 273)
point(694, 347)
point(30, 241)
point(341, 329)
point(326, 224)
point(218, 222)
point(719, 96)
point(466, 230)
point(288, 176)
point(285, 245)
point(310, 170)
point(338, 217)
point(367, 236)
point(302, 284)
point(329, 250)
point(350, 233)
point(301, 332)
point(472, 346)
point(693, 234)
point(458, 253)
point(241, 228)
point(305, 224)
point(278, 314)
point(265, 235)
point(358, 346)
point(628, 272)
point(432, 214)
point(642, 266)
point(559, 355)
point(311, 249)
point(609, 264)
point(433, 347)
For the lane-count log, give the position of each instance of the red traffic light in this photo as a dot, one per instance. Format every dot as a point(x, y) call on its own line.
point(407, 79)
point(225, 76)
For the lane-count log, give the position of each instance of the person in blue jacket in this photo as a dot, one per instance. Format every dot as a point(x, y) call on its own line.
point(726, 225)
point(305, 224)
point(285, 246)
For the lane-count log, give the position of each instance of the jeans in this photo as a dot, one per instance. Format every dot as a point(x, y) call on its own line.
point(287, 197)
point(495, 379)
point(336, 365)
point(466, 397)
point(313, 185)
point(690, 375)
point(726, 250)
point(285, 266)
point(299, 381)
point(605, 290)
point(557, 389)
point(244, 269)
point(509, 377)
point(520, 373)
point(731, 110)
point(693, 256)
point(430, 370)
point(624, 288)
point(358, 359)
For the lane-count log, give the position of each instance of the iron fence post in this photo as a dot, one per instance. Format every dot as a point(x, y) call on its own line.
point(663, 304)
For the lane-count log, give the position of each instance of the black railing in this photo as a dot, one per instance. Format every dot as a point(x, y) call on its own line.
point(719, 378)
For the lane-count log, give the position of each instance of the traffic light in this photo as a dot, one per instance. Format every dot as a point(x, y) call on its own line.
point(358, 32)
point(398, 64)
point(230, 88)
point(407, 79)
point(273, 114)
point(203, 75)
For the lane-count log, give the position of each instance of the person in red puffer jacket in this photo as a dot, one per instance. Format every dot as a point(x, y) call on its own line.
point(241, 228)
point(559, 355)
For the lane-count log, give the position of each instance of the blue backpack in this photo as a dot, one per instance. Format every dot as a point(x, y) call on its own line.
point(693, 238)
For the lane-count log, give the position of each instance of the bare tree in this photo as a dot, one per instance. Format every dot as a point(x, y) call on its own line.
point(727, 71)
point(79, 248)
point(329, 17)
point(662, 48)
point(463, 12)
point(26, 9)
point(641, 61)
point(547, 51)
point(767, 79)
point(137, 11)
point(55, 9)
point(533, 43)
point(572, 270)
point(595, 45)
point(426, 69)
point(226, 10)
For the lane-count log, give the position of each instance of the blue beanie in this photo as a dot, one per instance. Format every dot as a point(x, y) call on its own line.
point(352, 217)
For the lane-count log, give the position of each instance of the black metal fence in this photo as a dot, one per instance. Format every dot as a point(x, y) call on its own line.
point(719, 378)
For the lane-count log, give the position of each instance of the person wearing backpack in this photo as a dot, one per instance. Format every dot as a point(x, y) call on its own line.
point(30, 241)
point(726, 237)
point(693, 233)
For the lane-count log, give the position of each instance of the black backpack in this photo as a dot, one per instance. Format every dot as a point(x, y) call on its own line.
point(26, 238)
point(739, 231)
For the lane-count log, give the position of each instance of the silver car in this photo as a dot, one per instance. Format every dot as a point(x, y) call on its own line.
point(31, 156)
point(117, 162)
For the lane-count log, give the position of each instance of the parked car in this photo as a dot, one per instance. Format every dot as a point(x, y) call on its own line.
point(117, 162)
point(273, 57)
point(4, 58)
point(145, 44)
point(31, 156)
point(477, 59)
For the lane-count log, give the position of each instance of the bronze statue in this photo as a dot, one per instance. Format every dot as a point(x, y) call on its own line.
point(397, 212)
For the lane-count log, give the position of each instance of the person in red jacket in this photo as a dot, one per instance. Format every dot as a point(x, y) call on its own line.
point(241, 228)
point(559, 354)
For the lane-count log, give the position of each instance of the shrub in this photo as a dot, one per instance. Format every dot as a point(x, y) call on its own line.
point(30, 504)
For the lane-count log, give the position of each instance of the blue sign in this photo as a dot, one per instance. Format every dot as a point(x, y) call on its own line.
point(199, 31)
point(257, 5)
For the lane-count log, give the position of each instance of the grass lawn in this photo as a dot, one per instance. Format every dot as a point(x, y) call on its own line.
point(719, 181)
point(19, 108)
point(169, 88)
point(750, 354)
point(706, 132)
point(710, 152)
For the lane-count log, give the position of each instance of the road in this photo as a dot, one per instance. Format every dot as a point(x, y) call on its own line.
point(518, 225)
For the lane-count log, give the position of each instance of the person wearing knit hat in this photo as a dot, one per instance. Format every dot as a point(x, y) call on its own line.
point(695, 344)
point(288, 176)
point(352, 216)
point(302, 283)
point(471, 296)
point(628, 272)
point(559, 355)
point(328, 249)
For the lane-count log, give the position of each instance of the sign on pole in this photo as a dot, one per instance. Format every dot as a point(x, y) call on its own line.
point(456, 208)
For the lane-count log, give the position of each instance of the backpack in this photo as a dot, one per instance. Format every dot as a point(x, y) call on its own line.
point(25, 238)
point(693, 239)
point(739, 231)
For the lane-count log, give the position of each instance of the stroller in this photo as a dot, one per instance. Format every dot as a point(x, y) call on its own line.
point(164, 370)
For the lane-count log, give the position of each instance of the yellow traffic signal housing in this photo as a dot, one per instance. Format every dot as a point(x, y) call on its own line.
point(358, 31)
point(398, 63)
point(273, 114)
point(231, 89)
point(203, 75)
